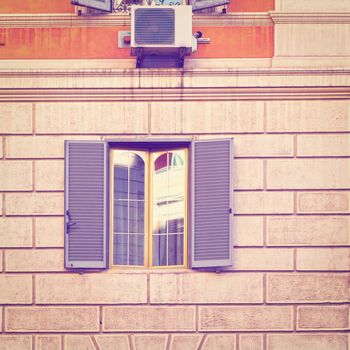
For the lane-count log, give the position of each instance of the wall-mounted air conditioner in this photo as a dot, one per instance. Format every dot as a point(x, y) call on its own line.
point(161, 30)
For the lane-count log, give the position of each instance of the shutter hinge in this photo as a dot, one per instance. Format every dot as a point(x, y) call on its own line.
point(230, 211)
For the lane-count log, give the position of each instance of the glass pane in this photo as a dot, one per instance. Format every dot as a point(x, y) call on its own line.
point(120, 256)
point(136, 216)
point(175, 249)
point(136, 250)
point(159, 250)
point(168, 207)
point(121, 176)
point(137, 176)
point(120, 216)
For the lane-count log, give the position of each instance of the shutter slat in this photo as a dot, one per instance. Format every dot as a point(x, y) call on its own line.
point(86, 203)
point(212, 193)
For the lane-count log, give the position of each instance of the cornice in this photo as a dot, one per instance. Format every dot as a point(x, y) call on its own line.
point(310, 17)
point(174, 94)
point(174, 85)
point(212, 19)
point(108, 20)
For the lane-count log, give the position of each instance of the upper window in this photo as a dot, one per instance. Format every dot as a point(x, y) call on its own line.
point(149, 207)
point(148, 203)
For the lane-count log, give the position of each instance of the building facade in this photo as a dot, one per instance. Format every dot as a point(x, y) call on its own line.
point(275, 79)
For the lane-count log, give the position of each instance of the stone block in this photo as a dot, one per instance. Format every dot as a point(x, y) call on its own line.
point(91, 288)
point(248, 174)
point(308, 174)
point(48, 342)
point(34, 260)
point(247, 318)
point(323, 259)
point(49, 232)
point(323, 317)
point(323, 202)
point(191, 117)
point(304, 116)
point(148, 318)
point(307, 341)
point(16, 232)
point(256, 259)
point(92, 118)
point(112, 342)
point(15, 289)
point(264, 146)
point(251, 342)
point(323, 145)
point(248, 231)
point(307, 288)
point(150, 342)
point(16, 118)
point(308, 230)
point(78, 342)
point(16, 175)
point(312, 6)
point(34, 147)
point(264, 202)
point(209, 288)
point(15, 342)
point(34, 204)
point(52, 319)
point(327, 39)
point(220, 342)
point(185, 341)
point(49, 175)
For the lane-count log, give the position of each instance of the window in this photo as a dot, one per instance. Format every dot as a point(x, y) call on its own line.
point(148, 203)
point(149, 207)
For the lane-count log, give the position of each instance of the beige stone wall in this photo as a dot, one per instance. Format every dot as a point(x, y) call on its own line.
point(289, 285)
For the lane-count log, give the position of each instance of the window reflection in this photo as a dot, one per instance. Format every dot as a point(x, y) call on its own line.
point(129, 208)
point(168, 208)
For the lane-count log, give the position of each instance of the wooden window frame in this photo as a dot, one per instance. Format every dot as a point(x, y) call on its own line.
point(148, 154)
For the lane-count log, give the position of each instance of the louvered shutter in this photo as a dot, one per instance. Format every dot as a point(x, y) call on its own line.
point(103, 5)
point(86, 204)
point(212, 203)
point(206, 4)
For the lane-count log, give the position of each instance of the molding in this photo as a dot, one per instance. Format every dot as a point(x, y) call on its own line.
point(205, 19)
point(173, 84)
point(177, 94)
point(310, 17)
point(108, 20)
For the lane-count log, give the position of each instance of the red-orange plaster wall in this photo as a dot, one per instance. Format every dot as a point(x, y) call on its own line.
point(36, 6)
point(102, 42)
point(251, 5)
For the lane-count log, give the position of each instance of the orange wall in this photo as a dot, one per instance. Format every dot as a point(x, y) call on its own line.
point(36, 6)
point(64, 6)
point(102, 42)
point(251, 5)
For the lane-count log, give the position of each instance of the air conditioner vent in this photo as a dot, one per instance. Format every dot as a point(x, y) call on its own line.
point(154, 26)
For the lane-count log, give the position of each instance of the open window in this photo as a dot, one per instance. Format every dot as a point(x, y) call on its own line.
point(148, 204)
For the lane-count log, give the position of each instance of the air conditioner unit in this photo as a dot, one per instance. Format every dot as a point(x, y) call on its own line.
point(161, 30)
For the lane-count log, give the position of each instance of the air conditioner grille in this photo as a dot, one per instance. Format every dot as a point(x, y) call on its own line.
point(154, 26)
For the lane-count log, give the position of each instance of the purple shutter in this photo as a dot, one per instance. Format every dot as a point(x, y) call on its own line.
point(212, 192)
point(86, 204)
point(103, 5)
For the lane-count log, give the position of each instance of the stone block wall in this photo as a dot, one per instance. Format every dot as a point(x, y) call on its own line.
point(289, 286)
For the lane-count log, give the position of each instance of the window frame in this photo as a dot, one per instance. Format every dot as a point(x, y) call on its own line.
point(149, 146)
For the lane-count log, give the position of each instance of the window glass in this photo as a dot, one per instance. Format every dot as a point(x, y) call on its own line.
point(149, 207)
point(129, 208)
point(168, 208)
